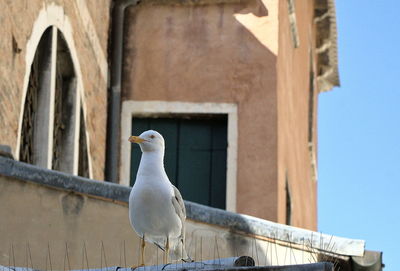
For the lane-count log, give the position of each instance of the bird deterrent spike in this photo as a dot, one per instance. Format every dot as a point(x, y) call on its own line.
point(9, 256)
point(236, 247)
point(30, 254)
point(195, 247)
point(103, 251)
point(120, 254)
point(216, 245)
point(84, 256)
point(66, 257)
point(101, 257)
point(292, 251)
point(276, 250)
point(13, 254)
point(157, 258)
point(321, 241)
point(271, 257)
point(201, 248)
point(138, 253)
point(26, 257)
point(284, 258)
point(46, 261)
point(256, 248)
point(48, 250)
point(182, 256)
point(125, 254)
point(252, 248)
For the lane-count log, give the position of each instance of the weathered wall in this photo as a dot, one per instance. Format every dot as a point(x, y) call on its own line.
point(81, 231)
point(215, 53)
point(293, 67)
point(89, 22)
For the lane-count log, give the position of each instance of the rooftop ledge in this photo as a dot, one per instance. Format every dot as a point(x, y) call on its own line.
point(239, 223)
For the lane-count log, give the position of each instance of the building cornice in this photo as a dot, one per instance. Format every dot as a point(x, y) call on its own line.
point(327, 51)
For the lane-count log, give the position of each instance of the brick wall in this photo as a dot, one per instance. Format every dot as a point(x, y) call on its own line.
point(89, 22)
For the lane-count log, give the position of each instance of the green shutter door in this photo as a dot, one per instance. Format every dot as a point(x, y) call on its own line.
point(195, 156)
point(194, 161)
point(218, 160)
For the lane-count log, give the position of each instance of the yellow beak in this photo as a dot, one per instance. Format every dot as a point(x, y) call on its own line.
point(136, 139)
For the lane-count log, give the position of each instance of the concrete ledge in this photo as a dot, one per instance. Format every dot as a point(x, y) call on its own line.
point(56, 179)
point(249, 225)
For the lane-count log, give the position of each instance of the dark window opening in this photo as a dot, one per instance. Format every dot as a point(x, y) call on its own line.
point(195, 154)
point(30, 108)
point(288, 204)
point(64, 109)
point(83, 162)
point(35, 116)
point(311, 108)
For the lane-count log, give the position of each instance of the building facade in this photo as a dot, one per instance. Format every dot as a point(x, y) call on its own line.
point(232, 86)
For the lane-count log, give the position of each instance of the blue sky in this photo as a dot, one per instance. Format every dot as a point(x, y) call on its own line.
point(359, 130)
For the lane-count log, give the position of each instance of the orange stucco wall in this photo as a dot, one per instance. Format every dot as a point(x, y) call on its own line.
point(294, 160)
point(215, 53)
point(239, 53)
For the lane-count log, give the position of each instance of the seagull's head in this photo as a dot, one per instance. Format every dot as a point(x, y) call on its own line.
point(149, 141)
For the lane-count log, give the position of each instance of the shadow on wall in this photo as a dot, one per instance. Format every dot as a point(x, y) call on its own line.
point(189, 52)
point(257, 8)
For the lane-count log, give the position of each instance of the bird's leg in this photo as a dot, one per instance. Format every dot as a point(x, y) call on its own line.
point(142, 252)
point(166, 253)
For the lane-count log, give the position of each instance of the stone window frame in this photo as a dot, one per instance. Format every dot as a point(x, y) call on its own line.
point(53, 17)
point(293, 23)
point(132, 108)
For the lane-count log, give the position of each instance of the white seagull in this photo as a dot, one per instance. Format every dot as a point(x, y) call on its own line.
point(156, 209)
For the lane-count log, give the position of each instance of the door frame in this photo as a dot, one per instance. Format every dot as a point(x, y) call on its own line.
point(131, 109)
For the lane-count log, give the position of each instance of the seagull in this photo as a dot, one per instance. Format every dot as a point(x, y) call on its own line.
point(156, 209)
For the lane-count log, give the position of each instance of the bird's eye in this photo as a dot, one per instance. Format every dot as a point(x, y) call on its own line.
point(152, 136)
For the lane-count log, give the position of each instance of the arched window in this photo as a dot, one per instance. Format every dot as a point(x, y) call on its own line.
point(53, 133)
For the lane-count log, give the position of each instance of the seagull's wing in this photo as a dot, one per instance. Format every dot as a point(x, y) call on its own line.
point(180, 209)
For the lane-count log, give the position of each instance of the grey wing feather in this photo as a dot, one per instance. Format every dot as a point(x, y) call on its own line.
point(178, 203)
point(180, 210)
point(179, 206)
